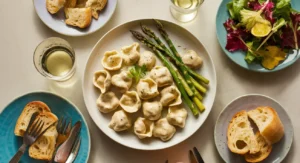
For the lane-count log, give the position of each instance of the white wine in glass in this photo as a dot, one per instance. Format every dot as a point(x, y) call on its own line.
point(185, 10)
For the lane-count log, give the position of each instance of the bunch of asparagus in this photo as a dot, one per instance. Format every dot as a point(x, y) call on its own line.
point(189, 83)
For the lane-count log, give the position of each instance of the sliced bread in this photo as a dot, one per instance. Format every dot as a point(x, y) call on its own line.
point(96, 5)
point(265, 150)
point(268, 123)
point(44, 147)
point(53, 6)
point(80, 17)
point(240, 136)
point(24, 118)
point(70, 3)
point(81, 3)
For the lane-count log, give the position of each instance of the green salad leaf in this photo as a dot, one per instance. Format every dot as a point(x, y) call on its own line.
point(234, 8)
point(250, 18)
point(137, 72)
point(282, 9)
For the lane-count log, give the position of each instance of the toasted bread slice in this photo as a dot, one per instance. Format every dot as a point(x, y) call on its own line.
point(53, 6)
point(44, 147)
point(265, 150)
point(80, 17)
point(80, 3)
point(268, 123)
point(240, 136)
point(96, 5)
point(24, 118)
point(70, 3)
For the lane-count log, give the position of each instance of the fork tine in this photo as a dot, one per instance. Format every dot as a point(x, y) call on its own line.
point(35, 127)
point(68, 130)
point(31, 122)
point(39, 129)
point(68, 126)
point(43, 131)
point(63, 125)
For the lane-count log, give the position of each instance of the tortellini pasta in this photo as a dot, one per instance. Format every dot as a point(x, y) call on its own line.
point(143, 128)
point(170, 96)
point(163, 130)
point(130, 102)
point(131, 54)
point(148, 59)
point(122, 81)
point(120, 121)
point(177, 116)
point(162, 76)
point(102, 80)
point(192, 59)
point(147, 88)
point(152, 110)
point(112, 60)
point(107, 102)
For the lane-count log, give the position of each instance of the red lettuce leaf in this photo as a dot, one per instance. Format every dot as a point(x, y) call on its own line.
point(234, 36)
point(268, 10)
point(288, 33)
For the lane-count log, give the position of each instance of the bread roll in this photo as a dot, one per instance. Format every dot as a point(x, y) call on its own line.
point(268, 123)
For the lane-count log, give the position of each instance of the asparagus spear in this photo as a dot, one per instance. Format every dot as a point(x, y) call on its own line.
point(176, 75)
point(148, 42)
point(182, 66)
point(173, 49)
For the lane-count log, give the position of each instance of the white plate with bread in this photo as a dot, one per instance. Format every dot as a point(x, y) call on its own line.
point(253, 128)
point(75, 17)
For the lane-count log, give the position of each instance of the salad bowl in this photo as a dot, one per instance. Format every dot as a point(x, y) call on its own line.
point(238, 57)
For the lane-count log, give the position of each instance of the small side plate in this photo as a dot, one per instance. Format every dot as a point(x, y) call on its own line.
point(57, 21)
point(249, 102)
point(10, 143)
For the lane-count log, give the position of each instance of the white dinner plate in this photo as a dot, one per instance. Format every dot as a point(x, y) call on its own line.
point(57, 21)
point(119, 37)
point(249, 102)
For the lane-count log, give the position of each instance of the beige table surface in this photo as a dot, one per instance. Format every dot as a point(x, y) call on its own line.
point(21, 30)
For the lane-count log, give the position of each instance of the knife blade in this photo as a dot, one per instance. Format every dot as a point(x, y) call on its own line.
point(192, 157)
point(75, 150)
point(64, 150)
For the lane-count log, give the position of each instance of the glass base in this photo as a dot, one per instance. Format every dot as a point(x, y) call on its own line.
point(183, 17)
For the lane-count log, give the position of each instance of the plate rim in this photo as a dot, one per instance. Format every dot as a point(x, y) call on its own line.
point(247, 68)
point(81, 34)
point(145, 19)
point(248, 95)
point(50, 93)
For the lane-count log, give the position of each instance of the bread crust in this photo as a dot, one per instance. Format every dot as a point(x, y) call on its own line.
point(54, 7)
point(39, 107)
point(274, 131)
